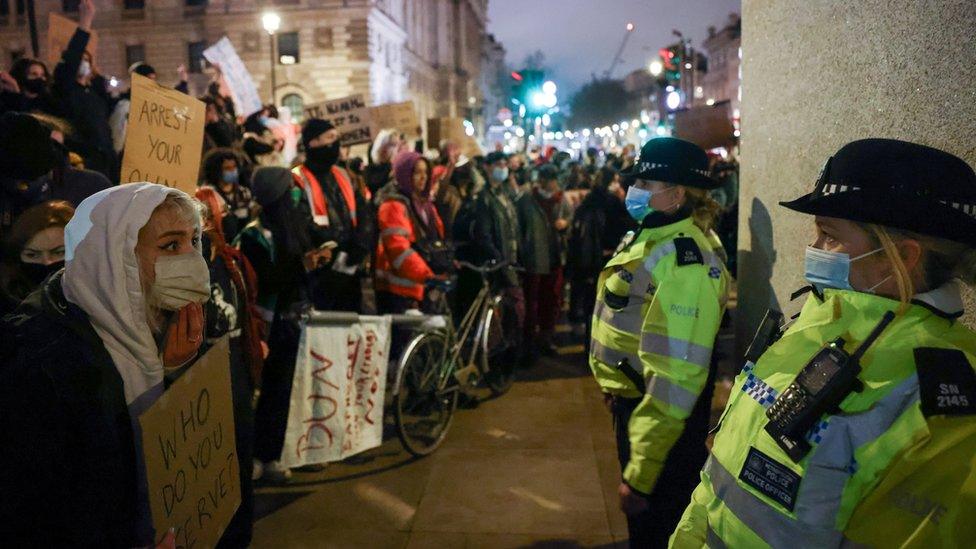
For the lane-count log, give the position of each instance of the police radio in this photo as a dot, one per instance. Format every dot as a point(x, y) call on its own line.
point(818, 389)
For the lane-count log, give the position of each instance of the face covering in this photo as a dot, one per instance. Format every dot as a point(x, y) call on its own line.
point(35, 85)
point(324, 156)
point(38, 272)
point(264, 120)
point(84, 69)
point(180, 280)
point(826, 269)
point(638, 202)
point(230, 177)
point(499, 174)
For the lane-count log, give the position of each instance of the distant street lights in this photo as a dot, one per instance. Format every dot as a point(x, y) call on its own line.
point(656, 67)
point(272, 22)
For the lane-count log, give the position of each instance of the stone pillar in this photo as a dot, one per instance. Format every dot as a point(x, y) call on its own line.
point(817, 75)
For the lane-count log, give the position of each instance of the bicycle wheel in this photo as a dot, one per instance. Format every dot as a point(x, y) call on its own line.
point(423, 413)
point(496, 360)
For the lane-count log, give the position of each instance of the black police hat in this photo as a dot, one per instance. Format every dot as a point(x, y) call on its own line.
point(673, 160)
point(896, 184)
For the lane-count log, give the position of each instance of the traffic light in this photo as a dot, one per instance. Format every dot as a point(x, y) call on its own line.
point(671, 56)
point(534, 92)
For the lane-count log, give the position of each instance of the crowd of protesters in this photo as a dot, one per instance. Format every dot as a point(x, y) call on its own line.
point(110, 291)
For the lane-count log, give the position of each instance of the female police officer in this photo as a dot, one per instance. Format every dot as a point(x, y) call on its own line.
point(858, 426)
point(660, 301)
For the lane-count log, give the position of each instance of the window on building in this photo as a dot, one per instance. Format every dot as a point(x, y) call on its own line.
point(288, 48)
point(135, 53)
point(70, 6)
point(4, 8)
point(195, 3)
point(135, 4)
point(16, 54)
point(296, 105)
point(195, 56)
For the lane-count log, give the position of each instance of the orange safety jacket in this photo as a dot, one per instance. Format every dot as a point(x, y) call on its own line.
point(307, 181)
point(399, 268)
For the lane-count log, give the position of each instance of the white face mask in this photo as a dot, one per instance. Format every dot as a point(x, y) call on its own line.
point(180, 280)
point(84, 69)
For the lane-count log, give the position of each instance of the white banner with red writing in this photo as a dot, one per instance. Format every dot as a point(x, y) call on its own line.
point(337, 394)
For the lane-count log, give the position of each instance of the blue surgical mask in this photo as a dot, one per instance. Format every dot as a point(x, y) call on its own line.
point(499, 174)
point(826, 269)
point(638, 202)
point(231, 176)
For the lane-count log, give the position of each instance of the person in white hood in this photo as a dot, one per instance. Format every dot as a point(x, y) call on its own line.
point(90, 350)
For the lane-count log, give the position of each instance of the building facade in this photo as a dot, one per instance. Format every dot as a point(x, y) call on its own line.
point(723, 81)
point(427, 51)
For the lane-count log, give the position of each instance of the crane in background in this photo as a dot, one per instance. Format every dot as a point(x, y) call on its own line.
point(623, 44)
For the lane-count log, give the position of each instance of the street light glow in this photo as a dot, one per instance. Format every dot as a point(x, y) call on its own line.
point(549, 87)
point(673, 100)
point(546, 120)
point(271, 22)
point(630, 27)
point(656, 67)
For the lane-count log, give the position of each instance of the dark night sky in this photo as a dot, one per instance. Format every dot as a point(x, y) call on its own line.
point(580, 37)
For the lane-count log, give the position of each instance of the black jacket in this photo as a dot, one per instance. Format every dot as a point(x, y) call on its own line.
point(598, 225)
point(89, 108)
point(68, 465)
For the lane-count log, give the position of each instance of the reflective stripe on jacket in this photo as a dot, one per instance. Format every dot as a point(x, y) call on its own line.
point(659, 305)
point(893, 468)
point(399, 268)
point(310, 184)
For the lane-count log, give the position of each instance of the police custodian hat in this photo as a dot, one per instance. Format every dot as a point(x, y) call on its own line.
point(672, 160)
point(896, 184)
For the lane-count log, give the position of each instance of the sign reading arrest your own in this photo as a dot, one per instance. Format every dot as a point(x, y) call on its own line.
point(164, 139)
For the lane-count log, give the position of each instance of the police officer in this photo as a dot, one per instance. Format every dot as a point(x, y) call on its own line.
point(660, 301)
point(858, 426)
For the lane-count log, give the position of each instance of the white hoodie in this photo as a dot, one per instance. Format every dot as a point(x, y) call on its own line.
point(101, 276)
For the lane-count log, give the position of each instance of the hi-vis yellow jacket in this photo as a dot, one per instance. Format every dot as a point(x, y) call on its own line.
point(660, 301)
point(896, 467)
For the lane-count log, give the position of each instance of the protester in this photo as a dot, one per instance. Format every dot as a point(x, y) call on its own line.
point(260, 144)
point(34, 83)
point(82, 90)
point(411, 249)
point(380, 168)
point(33, 250)
point(599, 223)
point(87, 363)
point(278, 244)
point(543, 216)
point(222, 171)
point(340, 214)
point(218, 131)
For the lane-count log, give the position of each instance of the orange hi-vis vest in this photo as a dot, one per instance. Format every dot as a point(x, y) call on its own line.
point(316, 198)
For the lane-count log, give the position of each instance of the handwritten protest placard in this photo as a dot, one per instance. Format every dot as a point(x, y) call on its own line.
point(164, 139)
point(337, 394)
point(191, 453)
point(238, 79)
point(399, 116)
point(60, 29)
point(349, 115)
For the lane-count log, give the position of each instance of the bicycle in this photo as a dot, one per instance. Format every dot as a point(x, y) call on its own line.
point(430, 373)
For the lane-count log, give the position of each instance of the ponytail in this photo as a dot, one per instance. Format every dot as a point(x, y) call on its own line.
point(704, 209)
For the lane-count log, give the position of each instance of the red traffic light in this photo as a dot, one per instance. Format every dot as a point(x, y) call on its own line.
point(516, 76)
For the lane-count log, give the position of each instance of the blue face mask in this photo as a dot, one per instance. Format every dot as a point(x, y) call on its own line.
point(499, 174)
point(230, 177)
point(826, 269)
point(638, 202)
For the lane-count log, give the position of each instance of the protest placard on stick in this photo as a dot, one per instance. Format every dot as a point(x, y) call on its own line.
point(452, 128)
point(706, 126)
point(191, 453)
point(235, 73)
point(60, 29)
point(164, 139)
point(349, 115)
point(398, 116)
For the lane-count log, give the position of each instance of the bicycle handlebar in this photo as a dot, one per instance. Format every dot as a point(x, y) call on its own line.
point(487, 268)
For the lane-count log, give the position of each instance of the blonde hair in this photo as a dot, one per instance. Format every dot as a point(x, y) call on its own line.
point(704, 209)
point(942, 260)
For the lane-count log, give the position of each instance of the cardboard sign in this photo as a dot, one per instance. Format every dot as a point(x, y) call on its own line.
point(191, 453)
point(238, 79)
point(708, 127)
point(336, 407)
point(399, 116)
point(349, 115)
point(164, 139)
point(452, 129)
point(60, 29)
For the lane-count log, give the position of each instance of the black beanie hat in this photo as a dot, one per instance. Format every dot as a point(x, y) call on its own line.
point(142, 69)
point(270, 183)
point(26, 149)
point(314, 128)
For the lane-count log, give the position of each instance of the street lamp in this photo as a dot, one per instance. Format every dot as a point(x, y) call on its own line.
point(272, 22)
point(656, 67)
